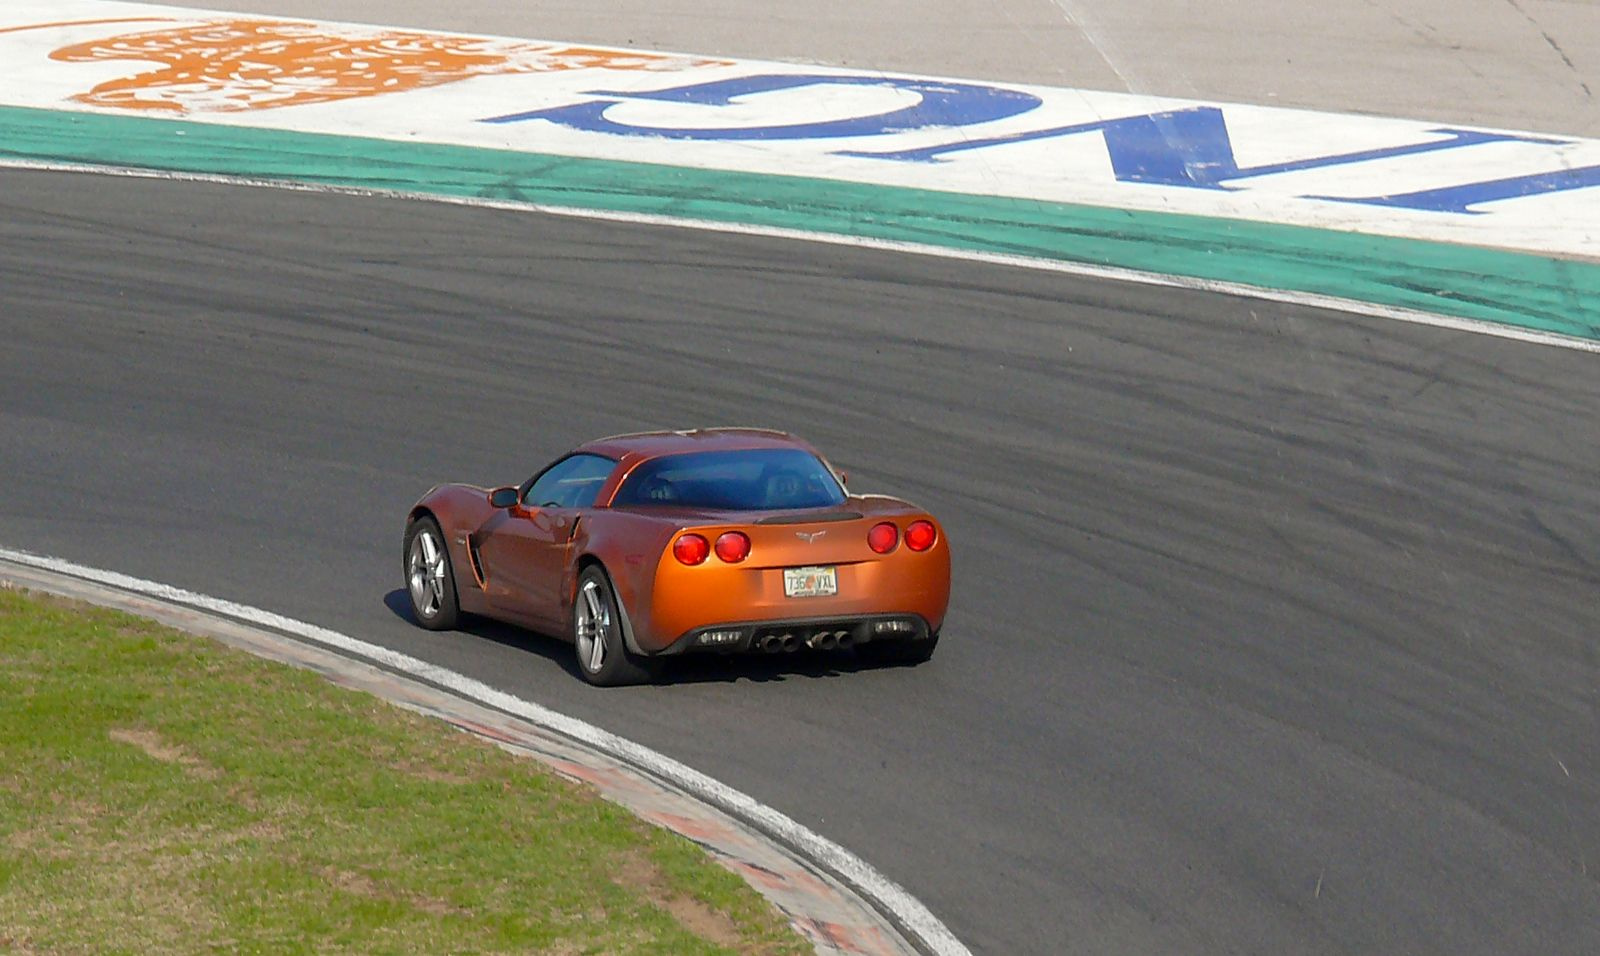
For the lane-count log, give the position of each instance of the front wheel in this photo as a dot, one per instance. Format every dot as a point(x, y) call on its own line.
point(898, 652)
point(429, 579)
point(603, 657)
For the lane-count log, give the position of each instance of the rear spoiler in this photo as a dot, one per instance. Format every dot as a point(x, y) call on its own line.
point(812, 518)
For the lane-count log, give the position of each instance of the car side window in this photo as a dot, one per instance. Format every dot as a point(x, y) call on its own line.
point(572, 482)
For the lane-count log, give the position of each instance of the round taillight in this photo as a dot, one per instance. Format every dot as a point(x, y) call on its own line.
point(920, 535)
point(733, 546)
point(691, 549)
point(883, 537)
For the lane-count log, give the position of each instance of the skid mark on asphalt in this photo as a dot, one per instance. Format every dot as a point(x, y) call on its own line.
point(1554, 45)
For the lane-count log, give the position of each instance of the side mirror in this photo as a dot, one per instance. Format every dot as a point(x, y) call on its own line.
point(844, 479)
point(502, 498)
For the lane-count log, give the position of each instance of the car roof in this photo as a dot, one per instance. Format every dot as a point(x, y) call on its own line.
point(655, 444)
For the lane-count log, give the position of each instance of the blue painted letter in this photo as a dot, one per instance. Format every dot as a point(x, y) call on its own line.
point(1190, 148)
point(1460, 199)
point(942, 104)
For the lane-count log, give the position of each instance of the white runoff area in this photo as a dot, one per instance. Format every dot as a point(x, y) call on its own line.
point(1393, 177)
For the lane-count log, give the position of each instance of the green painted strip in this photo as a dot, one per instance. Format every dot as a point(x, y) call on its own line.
point(1528, 291)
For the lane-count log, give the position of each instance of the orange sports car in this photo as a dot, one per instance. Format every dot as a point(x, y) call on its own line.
point(642, 547)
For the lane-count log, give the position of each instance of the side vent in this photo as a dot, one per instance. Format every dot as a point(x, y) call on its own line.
point(475, 561)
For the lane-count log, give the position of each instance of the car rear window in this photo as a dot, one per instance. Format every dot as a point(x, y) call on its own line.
point(763, 479)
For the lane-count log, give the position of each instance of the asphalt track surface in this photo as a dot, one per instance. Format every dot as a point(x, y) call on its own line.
point(1273, 631)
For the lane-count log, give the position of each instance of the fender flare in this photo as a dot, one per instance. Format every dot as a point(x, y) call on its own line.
point(628, 639)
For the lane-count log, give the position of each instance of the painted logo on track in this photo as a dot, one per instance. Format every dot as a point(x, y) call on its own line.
point(241, 65)
point(1189, 148)
point(1364, 174)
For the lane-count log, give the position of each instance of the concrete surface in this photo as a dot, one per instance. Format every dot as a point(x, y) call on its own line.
point(1519, 64)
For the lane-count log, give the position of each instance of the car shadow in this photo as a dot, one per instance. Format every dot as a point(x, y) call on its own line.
point(707, 668)
point(713, 668)
point(556, 651)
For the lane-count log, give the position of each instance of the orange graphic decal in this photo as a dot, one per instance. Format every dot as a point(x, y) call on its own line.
point(237, 65)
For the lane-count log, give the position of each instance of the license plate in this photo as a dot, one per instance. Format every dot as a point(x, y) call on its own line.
point(810, 582)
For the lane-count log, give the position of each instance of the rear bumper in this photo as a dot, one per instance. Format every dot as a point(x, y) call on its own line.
point(816, 633)
point(685, 600)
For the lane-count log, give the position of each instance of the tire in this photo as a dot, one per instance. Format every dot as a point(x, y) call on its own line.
point(898, 652)
point(429, 578)
point(603, 657)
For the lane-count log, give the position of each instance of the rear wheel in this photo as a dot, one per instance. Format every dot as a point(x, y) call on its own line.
point(429, 579)
point(603, 657)
point(898, 652)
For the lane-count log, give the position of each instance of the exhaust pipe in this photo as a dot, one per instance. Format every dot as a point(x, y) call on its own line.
point(770, 643)
point(822, 641)
point(846, 639)
point(791, 643)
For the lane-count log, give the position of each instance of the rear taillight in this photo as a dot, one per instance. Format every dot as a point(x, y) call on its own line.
point(883, 537)
point(691, 549)
point(920, 535)
point(733, 546)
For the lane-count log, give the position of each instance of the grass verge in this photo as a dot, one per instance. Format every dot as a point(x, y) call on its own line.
point(160, 792)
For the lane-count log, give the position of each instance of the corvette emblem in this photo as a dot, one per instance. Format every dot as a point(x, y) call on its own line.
point(809, 536)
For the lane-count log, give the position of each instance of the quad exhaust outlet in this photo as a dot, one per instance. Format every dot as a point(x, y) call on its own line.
point(789, 642)
point(828, 640)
